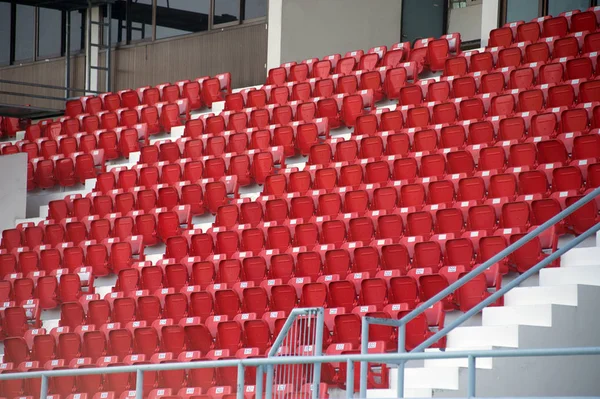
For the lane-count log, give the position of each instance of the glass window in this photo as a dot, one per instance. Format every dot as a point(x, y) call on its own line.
point(180, 17)
point(555, 7)
point(226, 11)
point(77, 31)
point(24, 33)
point(49, 33)
point(140, 13)
point(4, 33)
point(520, 10)
point(118, 23)
point(255, 9)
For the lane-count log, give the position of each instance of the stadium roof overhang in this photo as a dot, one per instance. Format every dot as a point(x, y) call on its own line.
point(65, 5)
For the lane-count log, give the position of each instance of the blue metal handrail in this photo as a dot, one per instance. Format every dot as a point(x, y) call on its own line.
point(401, 324)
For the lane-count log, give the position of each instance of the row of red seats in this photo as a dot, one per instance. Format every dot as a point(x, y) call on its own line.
point(9, 126)
point(547, 26)
point(201, 91)
point(65, 171)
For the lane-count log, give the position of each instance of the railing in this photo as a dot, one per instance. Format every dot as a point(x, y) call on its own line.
point(241, 364)
point(401, 324)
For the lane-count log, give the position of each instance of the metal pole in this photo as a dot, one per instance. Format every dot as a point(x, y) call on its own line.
point(139, 385)
point(108, 47)
point(259, 382)
point(471, 385)
point(349, 379)
point(401, 364)
point(514, 283)
point(44, 388)
point(364, 349)
point(269, 387)
point(501, 255)
point(68, 55)
point(318, 352)
point(240, 381)
point(89, 14)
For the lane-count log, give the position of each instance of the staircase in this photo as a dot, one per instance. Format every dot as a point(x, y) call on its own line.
point(558, 309)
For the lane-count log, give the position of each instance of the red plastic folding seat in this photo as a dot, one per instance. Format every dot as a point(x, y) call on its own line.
point(437, 53)
point(452, 136)
point(472, 108)
point(342, 294)
point(508, 57)
point(460, 252)
point(565, 47)
point(586, 147)
point(449, 221)
point(482, 62)
point(503, 104)
point(515, 214)
point(537, 52)
point(366, 260)
point(337, 261)
point(456, 66)
point(557, 26)
point(531, 100)
point(308, 264)
point(591, 43)
point(511, 129)
point(54, 235)
point(490, 246)
point(124, 203)
point(583, 218)
point(522, 155)
point(227, 302)
point(419, 224)
point(580, 68)
point(193, 171)
point(146, 341)
point(417, 117)
point(444, 113)
point(44, 174)
point(194, 128)
point(528, 32)
point(361, 229)
point(583, 21)
point(346, 151)
point(412, 195)
point(460, 162)
point(384, 198)
point(574, 120)
point(492, 82)
point(97, 258)
point(320, 154)
point(589, 91)
point(11, 239)
point(227, 243)
point(482, 217)
point(279, 237)
point(472, 293)
point(302, 208)
point(69, 346)
point(411, 95)
point(90, 124)
point(313, 295)
point(347, 85)
point(501, 37)
point(561, 95)
point(333, 232)
point(390, 226)
point(551, 151)
point(109, 120)
point(502, 185)
point(464, 87)
point(283, 298)
point(432, 165)
point(491, 158)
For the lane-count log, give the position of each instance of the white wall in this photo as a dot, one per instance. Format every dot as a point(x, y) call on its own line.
point(466, 21)
point(13, 189)
point(489, 19)
point(274, 34)
point(316, 28)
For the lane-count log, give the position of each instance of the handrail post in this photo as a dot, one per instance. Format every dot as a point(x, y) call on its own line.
point(240, 381)
point(471, 385)
point(269, 387)
point(259, 382)
point(401, 363)
point(364, 349)
point(349, 379)
point(318, 352)
point(139, 384)
point(44, 387)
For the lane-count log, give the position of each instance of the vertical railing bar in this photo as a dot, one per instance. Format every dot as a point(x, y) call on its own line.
point(240, 381)
point(259, 382)
point(139, 384)
point(401, 364)
point(364, 349)
point(269, 387)
point(471, 384)
point(349, 379)
point(44, 387)
point(318, 352)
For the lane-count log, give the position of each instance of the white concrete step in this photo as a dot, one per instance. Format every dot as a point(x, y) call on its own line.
point(586, 275)
point(484, 336)
point(581, 257)
point(408, 393)
point(428, 378)
point(529, 315)
point(552, 294)
point(483, 363)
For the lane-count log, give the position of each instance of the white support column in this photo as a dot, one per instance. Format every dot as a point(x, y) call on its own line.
point(490, 13)
point(274, 34)
point(92, 52)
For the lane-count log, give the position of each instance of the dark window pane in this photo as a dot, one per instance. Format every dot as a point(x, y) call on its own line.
point(180, 17)
point(77, 31)
point(226, 11)
point(555, 7)
point(118, 23)
point(255, 9)
point(49, 32)
point(140, 14)
point(24, 33)
point(519, 10)
point(4, 33)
